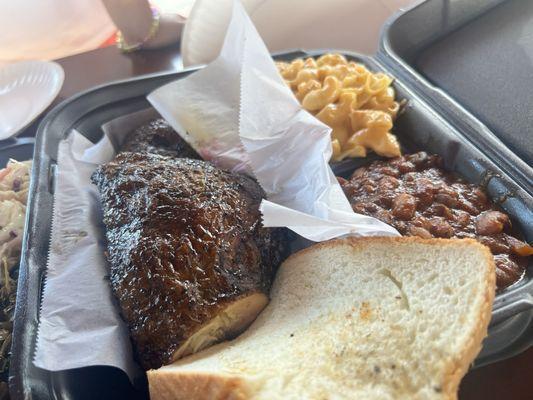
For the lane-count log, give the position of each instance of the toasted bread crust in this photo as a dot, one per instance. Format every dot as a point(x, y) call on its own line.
point(458, 369)
point(198, 386)
point(360, 241)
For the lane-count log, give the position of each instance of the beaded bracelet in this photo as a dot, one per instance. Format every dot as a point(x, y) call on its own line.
point(154, 27)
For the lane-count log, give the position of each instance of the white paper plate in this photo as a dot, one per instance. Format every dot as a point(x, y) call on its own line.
point(26, 89)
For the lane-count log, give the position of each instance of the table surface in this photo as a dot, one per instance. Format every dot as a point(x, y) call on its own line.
point(507, 379)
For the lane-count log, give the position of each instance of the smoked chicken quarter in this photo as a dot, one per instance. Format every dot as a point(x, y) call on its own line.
point(190, 263)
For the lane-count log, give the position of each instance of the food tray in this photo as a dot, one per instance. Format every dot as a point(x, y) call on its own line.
point(419, 127)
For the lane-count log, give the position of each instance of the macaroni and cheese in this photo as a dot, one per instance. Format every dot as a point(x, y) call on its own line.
point(356, 103)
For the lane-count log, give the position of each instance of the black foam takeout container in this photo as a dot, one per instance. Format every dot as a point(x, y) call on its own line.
point(429, 123)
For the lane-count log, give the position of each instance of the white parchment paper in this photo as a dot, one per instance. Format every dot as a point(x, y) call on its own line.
point(80, 324)
point(238, 113)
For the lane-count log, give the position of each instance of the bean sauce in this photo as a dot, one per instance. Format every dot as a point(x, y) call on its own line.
point(414, 194)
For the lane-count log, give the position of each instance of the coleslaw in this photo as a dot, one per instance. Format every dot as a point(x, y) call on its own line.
point(14, 186)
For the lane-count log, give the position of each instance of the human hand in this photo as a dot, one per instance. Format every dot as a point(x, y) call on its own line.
point(135, 20)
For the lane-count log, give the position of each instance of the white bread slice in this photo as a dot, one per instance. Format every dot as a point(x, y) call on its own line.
point(357, 318)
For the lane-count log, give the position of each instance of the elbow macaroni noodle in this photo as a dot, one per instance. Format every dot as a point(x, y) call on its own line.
point(357, 104)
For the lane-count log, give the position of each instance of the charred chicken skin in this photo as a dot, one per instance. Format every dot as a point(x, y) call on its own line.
point(190, 263)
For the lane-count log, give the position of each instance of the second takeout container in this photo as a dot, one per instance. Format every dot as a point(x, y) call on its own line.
point(433, 121)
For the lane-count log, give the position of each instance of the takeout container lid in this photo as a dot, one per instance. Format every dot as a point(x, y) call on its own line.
point(85, 111)
point(472, 61)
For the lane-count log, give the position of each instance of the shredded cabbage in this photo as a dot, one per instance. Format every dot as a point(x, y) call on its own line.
point(14, 185)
